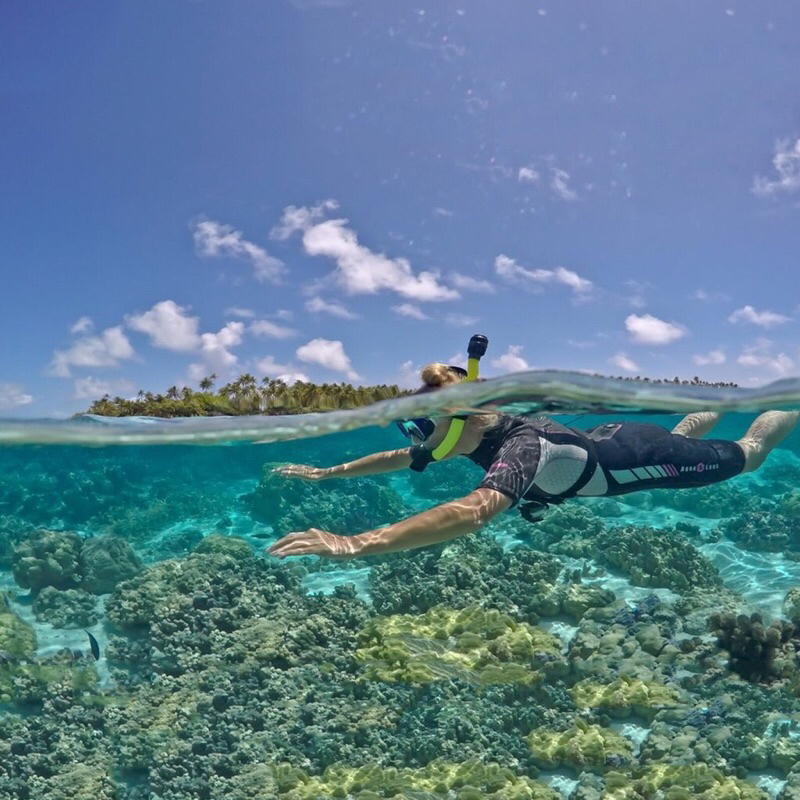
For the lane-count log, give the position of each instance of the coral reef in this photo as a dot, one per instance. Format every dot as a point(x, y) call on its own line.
point(656, 558)
point(474, 569)
point(17, 638)
point(575, 523)
point(475, 645)
point(625, 697)
point(766, 531)
point(223, 679)
point(581, 747)
point(233, 546)
point(105, 561)
point(753, 646)
point(471, 780)
point(710, 502)
point(291, 505)
point(70, 608)
point(48, 558)
point(696, 782)
point(66, 561)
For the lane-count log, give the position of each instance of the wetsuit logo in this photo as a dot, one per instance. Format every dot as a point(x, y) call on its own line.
point(700, 467)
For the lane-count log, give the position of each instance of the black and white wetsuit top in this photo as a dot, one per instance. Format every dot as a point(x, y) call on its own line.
point(541, 461)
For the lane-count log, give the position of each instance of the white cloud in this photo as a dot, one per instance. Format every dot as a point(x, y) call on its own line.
point(765, 319)
point(460, 320)
point(787, 164)
point(300, 219)
point(511, 360)
point(83, 325)
point(359, 270)
point(471, 284)
point(287, 373)
point(760, 355)
point(215, 240)
point(559, 183)
point(328, 354)
point(105, 350)
point(710, 297)
point(12, 396)
point(508, 269)
point(215, 347)
point(409, 310)
point(168, 326)
point(647, 329)
point(711, 358)
point(621, 361)
point(90, 388)
point(527, 175)
point(442, 212)
point(318, 305)
point(243, 313)
point(284, 313)
point(263, 327)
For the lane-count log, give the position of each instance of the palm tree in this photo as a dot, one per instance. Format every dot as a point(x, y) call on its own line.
point(207, 384)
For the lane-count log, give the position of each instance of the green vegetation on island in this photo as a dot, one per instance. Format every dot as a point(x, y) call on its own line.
point(245, 395)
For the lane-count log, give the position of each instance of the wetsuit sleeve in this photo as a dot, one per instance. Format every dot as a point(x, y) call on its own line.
point(514, 467)
point(420, 458)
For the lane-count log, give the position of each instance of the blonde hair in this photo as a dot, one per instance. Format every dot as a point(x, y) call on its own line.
point(438, 376)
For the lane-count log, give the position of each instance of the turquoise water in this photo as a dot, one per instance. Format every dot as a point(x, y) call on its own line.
point(620, 647)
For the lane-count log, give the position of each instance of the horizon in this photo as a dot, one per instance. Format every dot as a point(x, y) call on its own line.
point(332, 190)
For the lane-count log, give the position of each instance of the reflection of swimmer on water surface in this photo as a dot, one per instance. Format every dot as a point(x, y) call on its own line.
point(534, 462)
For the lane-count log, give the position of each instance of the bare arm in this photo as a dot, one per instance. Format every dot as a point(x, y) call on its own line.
point(439, 524)
point(387, 461)
point(374, 464)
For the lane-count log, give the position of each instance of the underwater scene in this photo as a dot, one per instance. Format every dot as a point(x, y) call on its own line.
point(638, 646)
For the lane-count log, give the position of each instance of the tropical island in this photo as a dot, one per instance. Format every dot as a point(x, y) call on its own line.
point(246, 395)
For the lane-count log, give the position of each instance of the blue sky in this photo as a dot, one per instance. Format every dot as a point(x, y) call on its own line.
point(345, 190)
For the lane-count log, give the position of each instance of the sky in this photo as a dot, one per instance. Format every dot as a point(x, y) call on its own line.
point(345, 190)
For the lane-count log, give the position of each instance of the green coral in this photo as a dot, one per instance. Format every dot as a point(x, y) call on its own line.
point(105, 562)
point(695, 782)
point(582, 747)
point(657, 558)
point(136, 601)
point(233, 546)
point(84, 782)
point(17, 638)
point(471, 780)
point(484, 647)
point(48, 558)
point(30, 684)
point(624, 697)
point(148, 721)
point(70, 608)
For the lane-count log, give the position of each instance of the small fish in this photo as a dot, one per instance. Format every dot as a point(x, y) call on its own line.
point(94, 645)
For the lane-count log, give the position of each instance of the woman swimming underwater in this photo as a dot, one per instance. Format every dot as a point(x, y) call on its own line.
point(535, 462)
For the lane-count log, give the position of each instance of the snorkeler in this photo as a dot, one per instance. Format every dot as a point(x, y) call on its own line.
point(533, 462)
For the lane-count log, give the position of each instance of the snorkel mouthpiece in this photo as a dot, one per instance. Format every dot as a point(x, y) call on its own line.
point(475, 351)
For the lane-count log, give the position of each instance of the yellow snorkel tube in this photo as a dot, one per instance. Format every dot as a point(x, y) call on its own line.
point(475, 351)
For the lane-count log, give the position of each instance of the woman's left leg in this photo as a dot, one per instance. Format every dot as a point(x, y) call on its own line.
point(697, 424)
point(767, 432)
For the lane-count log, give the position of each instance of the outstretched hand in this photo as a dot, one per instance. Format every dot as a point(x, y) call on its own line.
point(314, 542)
point(301, 471)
